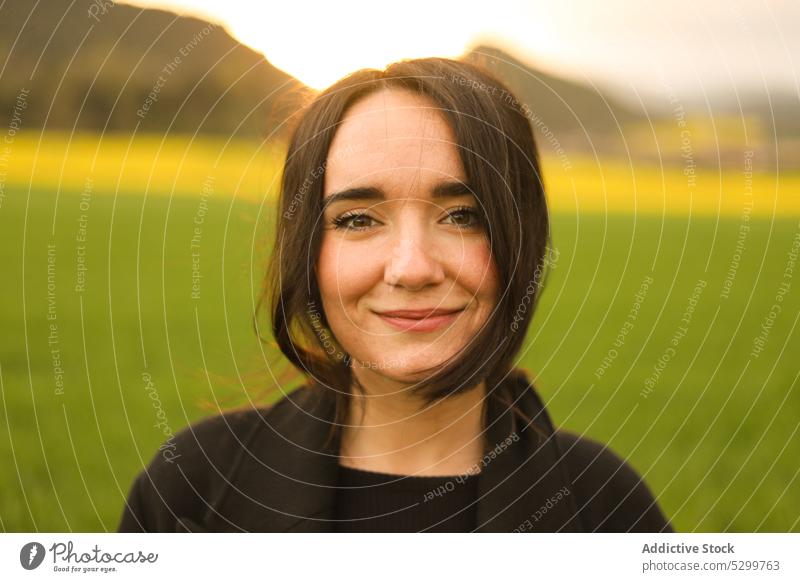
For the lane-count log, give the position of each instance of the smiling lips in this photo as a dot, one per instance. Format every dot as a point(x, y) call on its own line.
point(419, 320)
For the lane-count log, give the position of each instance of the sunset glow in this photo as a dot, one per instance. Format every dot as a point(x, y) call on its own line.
point(643, 45)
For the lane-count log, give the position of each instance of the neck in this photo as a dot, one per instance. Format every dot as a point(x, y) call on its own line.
point(399, 434)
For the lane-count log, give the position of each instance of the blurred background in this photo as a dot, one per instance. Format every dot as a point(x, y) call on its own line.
point(140, 154)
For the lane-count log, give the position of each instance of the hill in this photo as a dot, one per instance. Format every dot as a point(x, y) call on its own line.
point(102, 66)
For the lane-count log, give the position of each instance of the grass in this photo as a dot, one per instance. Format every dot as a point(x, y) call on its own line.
point(716, 435)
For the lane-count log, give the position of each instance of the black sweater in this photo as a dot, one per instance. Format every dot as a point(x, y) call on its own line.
point(368, 501)
point(269, 470)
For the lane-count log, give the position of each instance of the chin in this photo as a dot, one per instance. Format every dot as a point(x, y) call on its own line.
point(400, 368)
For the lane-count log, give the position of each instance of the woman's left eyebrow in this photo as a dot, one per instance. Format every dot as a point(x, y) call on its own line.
point(448, 189)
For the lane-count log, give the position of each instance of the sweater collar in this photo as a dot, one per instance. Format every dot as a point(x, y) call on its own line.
point(286, 478)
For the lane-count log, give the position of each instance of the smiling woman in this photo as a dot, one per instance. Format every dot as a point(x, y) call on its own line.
point(412, 229)
point(401, 216)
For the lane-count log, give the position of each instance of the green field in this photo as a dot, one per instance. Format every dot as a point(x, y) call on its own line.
point(715, 434)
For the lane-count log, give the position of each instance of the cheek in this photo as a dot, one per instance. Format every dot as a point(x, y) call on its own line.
point(343, 275)
point(479, 272)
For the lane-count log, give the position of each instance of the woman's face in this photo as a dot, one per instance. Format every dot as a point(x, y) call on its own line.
point(401, 234)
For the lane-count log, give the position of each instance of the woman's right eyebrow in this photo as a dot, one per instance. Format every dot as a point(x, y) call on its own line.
point(360, 193)
point(448, 189)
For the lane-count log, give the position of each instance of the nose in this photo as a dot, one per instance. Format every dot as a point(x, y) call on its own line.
point(412, 262)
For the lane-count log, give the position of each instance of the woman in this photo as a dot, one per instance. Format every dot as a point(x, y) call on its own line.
point(410, 246)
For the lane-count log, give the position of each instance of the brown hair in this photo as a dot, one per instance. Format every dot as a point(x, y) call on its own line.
point(500, 159)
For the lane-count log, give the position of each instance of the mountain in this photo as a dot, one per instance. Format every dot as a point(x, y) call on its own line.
point(564, 105)
point(97, 65)
point(575, 113)
point(100, 65)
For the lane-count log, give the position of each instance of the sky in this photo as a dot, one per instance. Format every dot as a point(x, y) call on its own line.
point(689, 47)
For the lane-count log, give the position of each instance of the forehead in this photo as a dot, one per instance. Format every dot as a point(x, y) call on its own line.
point(389, 134)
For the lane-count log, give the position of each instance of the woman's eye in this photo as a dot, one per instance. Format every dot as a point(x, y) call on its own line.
point(353, 221)
point(465, 217)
